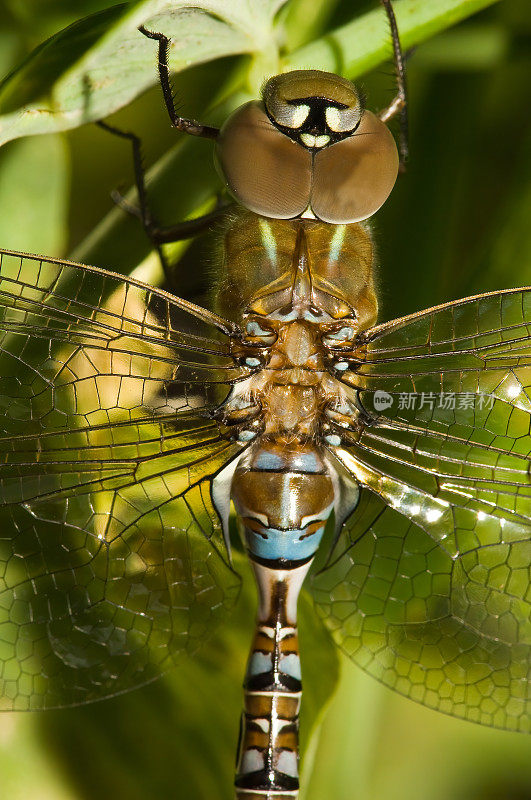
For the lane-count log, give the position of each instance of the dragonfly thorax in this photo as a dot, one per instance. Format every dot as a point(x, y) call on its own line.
point(284, 488)
point(274, 271)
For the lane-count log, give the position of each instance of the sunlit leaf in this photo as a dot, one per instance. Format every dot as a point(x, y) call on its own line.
point(100, 63)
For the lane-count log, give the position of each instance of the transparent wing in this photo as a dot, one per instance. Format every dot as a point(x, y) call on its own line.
point(428, 586)
point(112, 560)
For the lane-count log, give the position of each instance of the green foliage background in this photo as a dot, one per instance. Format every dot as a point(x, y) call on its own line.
point(457, 224)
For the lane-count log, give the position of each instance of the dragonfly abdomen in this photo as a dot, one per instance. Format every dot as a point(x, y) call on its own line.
point(269, 752)
point(283, 494)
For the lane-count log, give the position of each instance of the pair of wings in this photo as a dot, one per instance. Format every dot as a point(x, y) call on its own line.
point(112, 559)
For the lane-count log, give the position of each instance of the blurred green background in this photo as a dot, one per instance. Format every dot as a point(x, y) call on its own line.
point(457, 223)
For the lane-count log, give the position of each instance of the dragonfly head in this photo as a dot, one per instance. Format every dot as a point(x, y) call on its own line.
point(308, 149)
point(315, 109)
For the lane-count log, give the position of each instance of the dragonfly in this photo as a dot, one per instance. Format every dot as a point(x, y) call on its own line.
point(133, 419)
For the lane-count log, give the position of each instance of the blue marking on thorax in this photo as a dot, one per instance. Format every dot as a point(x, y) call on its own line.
point(297, 462)
point(268, 461)
point(273, 544)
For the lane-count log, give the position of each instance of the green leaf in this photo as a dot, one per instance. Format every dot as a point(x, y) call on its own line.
point(476, 47)
point(102, 62)
point(351, 727)
point(364, 43)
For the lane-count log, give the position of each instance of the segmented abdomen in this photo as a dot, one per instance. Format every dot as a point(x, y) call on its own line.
point(283, 495)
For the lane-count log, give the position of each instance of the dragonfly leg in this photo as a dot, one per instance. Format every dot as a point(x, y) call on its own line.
point(157, 234)
point(142, 211)
point(189, 227)
point(189, 126)
point(399, 103)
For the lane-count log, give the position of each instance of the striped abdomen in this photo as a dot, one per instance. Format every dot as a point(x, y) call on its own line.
point(283, 496)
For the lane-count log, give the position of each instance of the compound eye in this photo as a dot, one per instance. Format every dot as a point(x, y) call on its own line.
point(354, 177)
point(286, 115)
point(342, 120)
point(262, 168)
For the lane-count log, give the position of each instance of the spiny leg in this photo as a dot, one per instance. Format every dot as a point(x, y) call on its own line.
point(189, 126)
point(142, 212)
point(162, 235)
point(399, 103)
point(158, 235)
